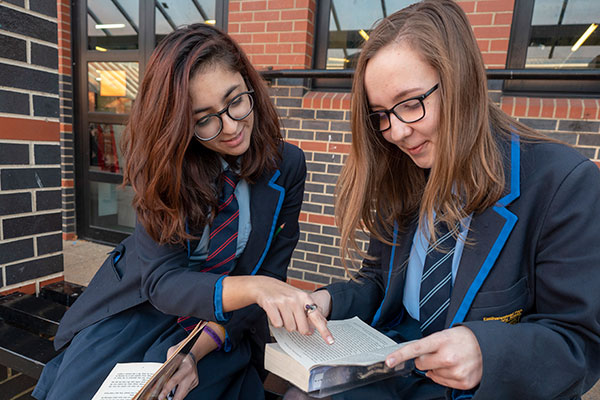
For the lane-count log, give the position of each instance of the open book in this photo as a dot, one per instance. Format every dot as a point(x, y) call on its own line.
point(355, 359)
point(145, 380)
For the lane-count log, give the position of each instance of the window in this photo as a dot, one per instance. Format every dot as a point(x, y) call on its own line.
point(562, 34)
point(342, 27)
point(114, 41)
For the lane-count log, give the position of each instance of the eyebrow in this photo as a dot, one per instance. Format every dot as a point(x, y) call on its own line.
point(225, 96)
point(399, 96)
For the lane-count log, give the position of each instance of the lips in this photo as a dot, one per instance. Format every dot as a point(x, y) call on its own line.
point(236, 140)
point(416, 149)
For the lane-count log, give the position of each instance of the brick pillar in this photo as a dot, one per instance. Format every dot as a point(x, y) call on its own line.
point(67, 148)
point(30, 184)
point(275, 34)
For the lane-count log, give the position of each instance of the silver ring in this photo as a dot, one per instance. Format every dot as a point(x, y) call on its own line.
point(309, 308)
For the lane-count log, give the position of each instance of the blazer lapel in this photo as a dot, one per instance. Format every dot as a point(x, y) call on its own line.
point(489, 231)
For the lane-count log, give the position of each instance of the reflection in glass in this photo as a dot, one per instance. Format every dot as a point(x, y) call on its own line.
point(350, 22)
point(105, 154)
point(110, 206)
point(112, 86)
point(171, 14)
point(112, 24)
point(556, 26)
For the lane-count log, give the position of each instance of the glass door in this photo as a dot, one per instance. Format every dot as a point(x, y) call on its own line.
point(113, 42)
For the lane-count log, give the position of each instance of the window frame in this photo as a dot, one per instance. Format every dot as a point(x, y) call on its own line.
point(517, 56)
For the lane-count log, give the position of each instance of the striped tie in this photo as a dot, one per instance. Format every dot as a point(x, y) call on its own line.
point(436, 282)
point(223, 235)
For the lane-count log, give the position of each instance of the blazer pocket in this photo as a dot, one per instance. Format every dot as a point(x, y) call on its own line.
point(499, 303)
point(117, 263)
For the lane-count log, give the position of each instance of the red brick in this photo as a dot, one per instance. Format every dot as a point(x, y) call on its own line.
point(303, 3)
point(264, 59)
point(303, 26)
point(492, 32)
point(597, 109)
point(292, 59)
point(248, 5)
point(27, 289)
point(241, 16)
point(280, 4)
point(234, 6)
point(467, 6)
point(339, 148)
point(302, 284)
point(253, 27)
point(336, 101)
point(548, 107)
point(301, 48)
point(484, 19)
point(499, 45)
point(279, 27)
point(346, 102)
point(520, 107)
point(69, 236)
point(29, 129)
point(507, 104)
point(294, 37)
point(67, 183)
point(292, 15)
point(597, 163)
point(494, 59)
point(321, 219)
point(535, 106)
point(562, 108)
point(283, 48)
point(494, 5)
point(266, 16)
point(503, 18)
point(327, 100)
point(51, 281)
point(265, 38)
point(484, 45)
point(313, 146)
point(253, 49)
point(590, 109)
point(233, 28)
point(241, 38)
point(576, 109)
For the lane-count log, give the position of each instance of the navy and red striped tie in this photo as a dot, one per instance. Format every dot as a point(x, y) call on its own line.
point(223, 235)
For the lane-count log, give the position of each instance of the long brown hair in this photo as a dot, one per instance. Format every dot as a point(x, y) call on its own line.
point(379, 183)
point(174, 177)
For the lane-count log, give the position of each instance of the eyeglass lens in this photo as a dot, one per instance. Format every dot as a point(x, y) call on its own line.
point(409, 111)
point(239, 108)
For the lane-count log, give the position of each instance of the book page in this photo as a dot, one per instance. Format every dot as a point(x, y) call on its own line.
point(353, 338)
point(125, 380)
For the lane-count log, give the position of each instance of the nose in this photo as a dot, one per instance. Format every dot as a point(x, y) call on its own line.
point(398, 129)
point(229, 124)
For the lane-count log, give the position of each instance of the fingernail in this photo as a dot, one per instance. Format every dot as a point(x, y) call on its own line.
point(390, 362)
point(330, 340)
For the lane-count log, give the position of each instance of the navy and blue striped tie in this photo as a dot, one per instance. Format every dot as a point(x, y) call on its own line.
point(223, 235)
point(436, 282)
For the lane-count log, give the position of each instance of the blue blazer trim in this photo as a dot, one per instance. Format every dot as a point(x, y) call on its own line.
point(378, 313)
point(511, 220)
point(281, 191)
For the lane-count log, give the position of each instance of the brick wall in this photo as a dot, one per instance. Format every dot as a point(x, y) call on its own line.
point(30, 180)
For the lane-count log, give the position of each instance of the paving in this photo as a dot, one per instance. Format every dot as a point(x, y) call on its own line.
point(83, 258)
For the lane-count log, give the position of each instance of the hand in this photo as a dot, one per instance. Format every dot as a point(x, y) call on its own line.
point(285, 306)
point(451, 357)
point(185, 377)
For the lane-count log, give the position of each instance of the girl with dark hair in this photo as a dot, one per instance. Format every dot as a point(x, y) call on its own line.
point(484, 246)
point(217, 197)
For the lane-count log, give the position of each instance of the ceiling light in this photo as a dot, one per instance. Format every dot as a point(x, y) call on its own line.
point(584, 37)
point(110, 26)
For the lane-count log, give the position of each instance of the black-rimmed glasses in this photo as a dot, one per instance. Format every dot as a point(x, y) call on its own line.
point(210, 126)
point(408, 111)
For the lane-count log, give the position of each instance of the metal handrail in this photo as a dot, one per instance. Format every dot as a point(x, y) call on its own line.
point(508, 74)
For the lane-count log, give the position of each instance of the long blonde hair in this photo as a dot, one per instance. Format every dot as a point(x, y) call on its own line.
point(379, 184)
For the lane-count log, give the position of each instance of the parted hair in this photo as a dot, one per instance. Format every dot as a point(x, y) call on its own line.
point(379, 184)
point(174, 177)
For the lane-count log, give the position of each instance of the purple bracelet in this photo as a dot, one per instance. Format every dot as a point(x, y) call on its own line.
point(214, 337)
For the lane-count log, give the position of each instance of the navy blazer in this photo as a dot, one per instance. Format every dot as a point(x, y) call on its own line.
point(526, 285)
point(147, 271)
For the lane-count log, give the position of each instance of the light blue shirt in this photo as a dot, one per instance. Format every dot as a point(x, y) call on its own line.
point(416, 262)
